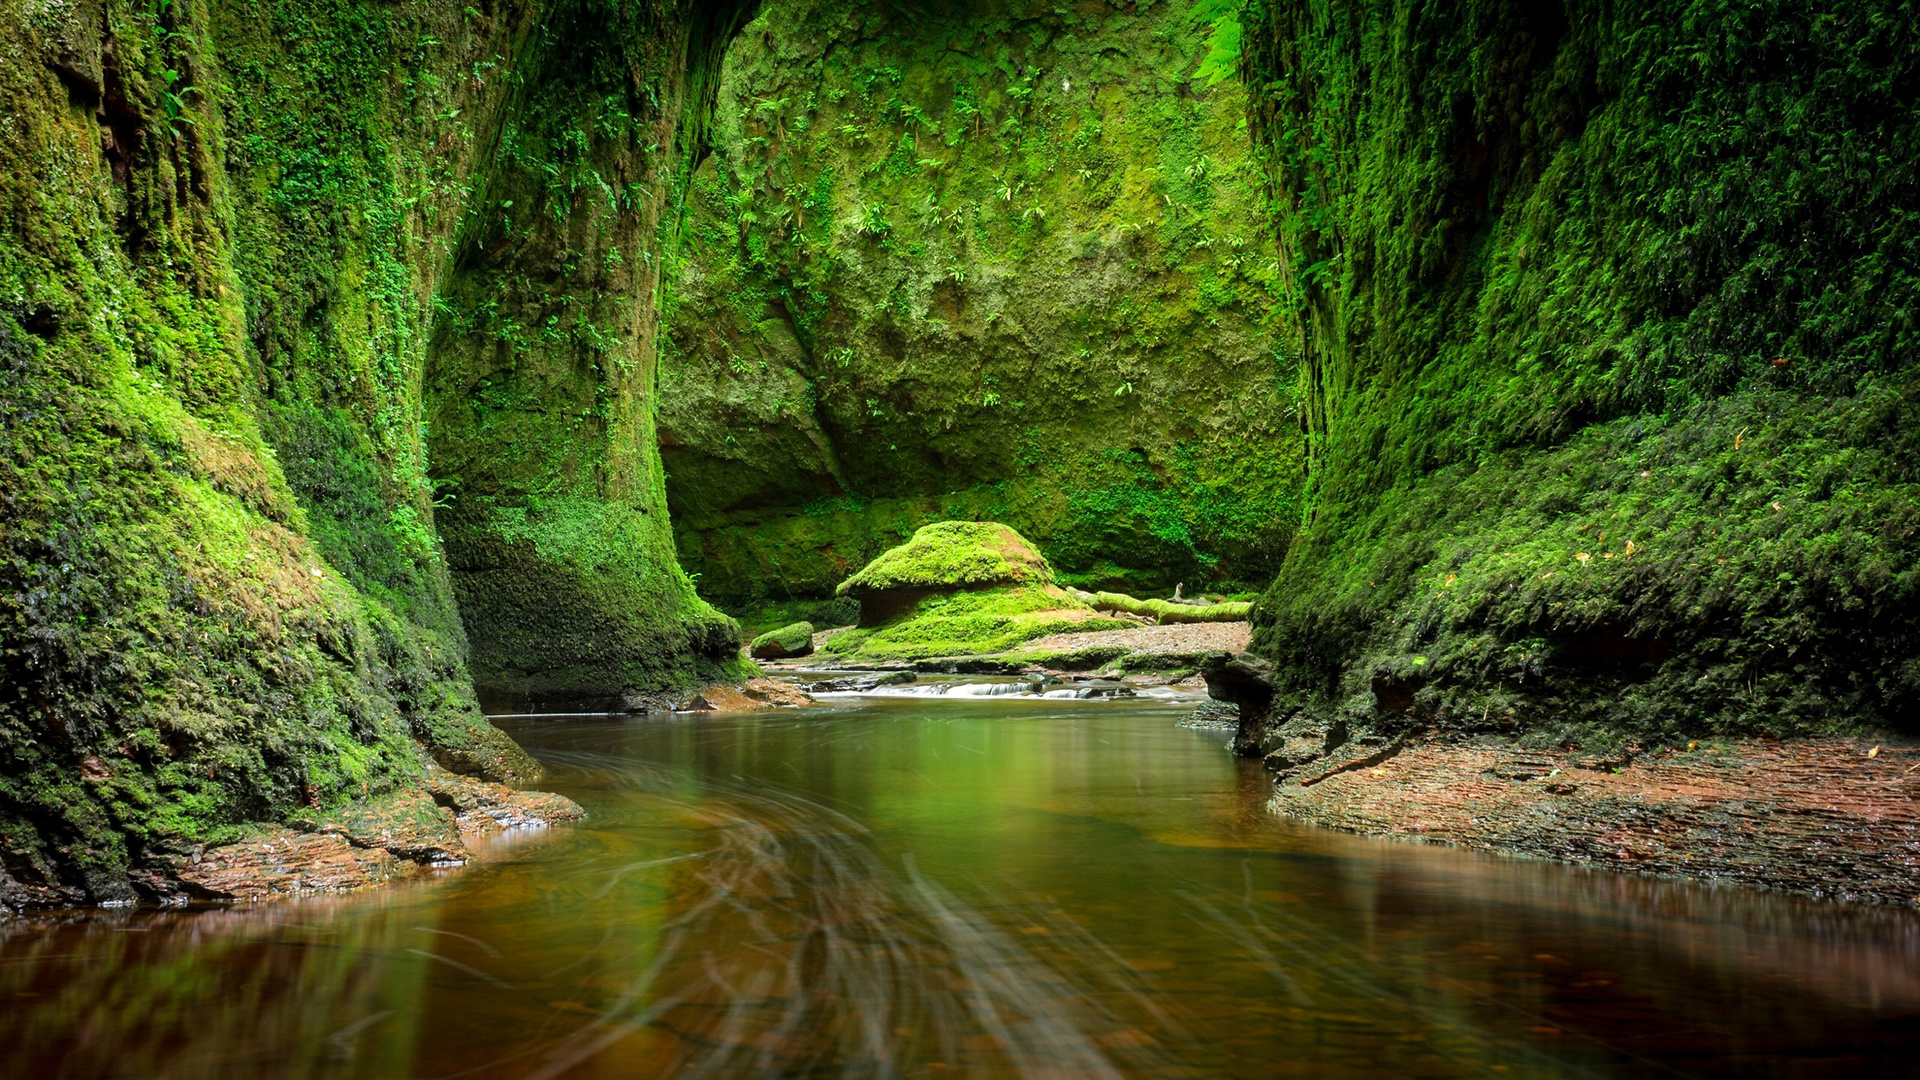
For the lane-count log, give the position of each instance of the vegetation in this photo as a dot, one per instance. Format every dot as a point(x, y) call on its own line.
point(952, 555)
point(345, 348)
point(231, 252)
point(987, 262)
point(1607, 356)
point(969, 622)
point(957, 588)
point(1170, 611)
point(794, 639)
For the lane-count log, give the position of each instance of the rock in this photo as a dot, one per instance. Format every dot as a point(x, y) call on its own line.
point(366, 843)
point(1101, 688)
point(1213, 714)
point(859, 684)
point(944, 557)
point(1246, 681)
point(794, 639)
point(953, 597)
point(752, 695)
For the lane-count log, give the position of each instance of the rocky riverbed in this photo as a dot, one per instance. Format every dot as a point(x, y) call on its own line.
point(1832, 817)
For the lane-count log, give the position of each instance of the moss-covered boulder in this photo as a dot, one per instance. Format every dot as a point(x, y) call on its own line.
point(942, 557)
point(958, 588)
point(794, 639)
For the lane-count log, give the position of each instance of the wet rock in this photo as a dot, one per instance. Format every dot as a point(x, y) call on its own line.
point(1246, 681)
point(362, 845)
point(279, 863)
point(1223, 715)
point(1812, 816)
point(410, 824)
point(859, 684)
point(481, 808)
point(1101, 688)
point(749, 696)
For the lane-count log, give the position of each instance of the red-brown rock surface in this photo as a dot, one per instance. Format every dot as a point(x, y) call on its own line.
point(1818, 816)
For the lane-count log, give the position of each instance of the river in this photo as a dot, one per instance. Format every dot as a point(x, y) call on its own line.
point(962, 887)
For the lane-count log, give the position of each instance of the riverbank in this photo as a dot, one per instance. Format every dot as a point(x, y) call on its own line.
point(442, 822)
point(1836, 818)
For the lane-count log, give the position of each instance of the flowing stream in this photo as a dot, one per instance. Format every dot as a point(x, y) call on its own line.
point(979, 885)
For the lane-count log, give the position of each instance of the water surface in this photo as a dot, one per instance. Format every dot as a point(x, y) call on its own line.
point(963, 887)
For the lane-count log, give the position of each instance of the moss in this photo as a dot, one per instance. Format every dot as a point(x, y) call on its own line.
point(540, 399)
point(760, 618)
point(952, 555)
point(223, 599)
point(970, 622)
point(992, 263)
point(795, 639)
point(1167, 611)
point(1608, 374)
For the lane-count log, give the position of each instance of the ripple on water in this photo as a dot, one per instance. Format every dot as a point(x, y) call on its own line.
point(985, 887)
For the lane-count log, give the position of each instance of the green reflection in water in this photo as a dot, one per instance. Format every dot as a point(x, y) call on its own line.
point(985, 888)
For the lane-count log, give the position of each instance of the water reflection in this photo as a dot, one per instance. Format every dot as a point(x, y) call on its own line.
point(974, 888)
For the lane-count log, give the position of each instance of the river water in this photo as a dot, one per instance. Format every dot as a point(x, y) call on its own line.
point(963, 887)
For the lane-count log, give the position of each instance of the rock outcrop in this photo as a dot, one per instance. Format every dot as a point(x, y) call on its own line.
point(997, 261)
point(1612, 400)
point(314, 403)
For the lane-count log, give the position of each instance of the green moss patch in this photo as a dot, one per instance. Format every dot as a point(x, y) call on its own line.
point(970, 623)
point(952, 555)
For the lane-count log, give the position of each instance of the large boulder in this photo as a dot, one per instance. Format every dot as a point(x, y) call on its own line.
point(794, 639)
point(944, 557)
point(958, 588)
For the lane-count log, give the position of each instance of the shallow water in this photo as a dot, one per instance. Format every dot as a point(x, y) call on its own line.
point(963, 887)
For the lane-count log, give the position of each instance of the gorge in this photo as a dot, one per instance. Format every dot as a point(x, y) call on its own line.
point(1534, 377)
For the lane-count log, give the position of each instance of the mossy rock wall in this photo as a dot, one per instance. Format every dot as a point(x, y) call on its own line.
point(982, 262)
point(234, 240)
point(1608, 361)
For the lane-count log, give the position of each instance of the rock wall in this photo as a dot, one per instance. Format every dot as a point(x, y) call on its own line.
point(240, 250)
point(993, 261)
point(1610, 327)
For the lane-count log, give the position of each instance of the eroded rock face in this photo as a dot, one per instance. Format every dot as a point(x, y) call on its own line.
point(223, 595)
point(1563, 475)
point(1002, 262)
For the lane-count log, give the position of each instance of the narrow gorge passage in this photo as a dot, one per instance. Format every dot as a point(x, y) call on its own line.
point(937, 538)
point(974, 886)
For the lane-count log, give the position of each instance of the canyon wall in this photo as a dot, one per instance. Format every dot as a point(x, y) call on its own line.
point(1610, 325)
point(287, 291)
point(991, 261)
